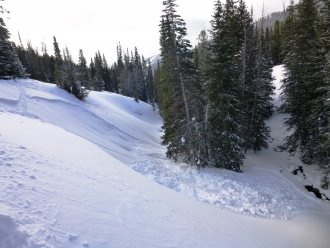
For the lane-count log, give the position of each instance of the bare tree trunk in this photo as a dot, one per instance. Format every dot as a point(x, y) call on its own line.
point(180, 75)
point(258, 81)
point(243, 75)
point(244, 64)
point(183, 91)
point(206, 126)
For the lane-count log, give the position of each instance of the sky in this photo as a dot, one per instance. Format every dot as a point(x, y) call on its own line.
point(93, 25)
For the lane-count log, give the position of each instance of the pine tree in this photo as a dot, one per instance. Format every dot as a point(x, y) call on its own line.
point(158, 93)
point(57, 52)
point(171, 93)
point(259, 132)
point(151, 87)
point(34, 66)
point(290, 86)
point(144, 74)
point(52, 68)
point(83, 75)
point(92, 72)
point(118, 70)
point(107, 78)
point(180, 91)
point(324, 116)
point(223, 90)
point(139, 83)
point(257, 88)
point(126, 79)
point(46, 65)
point(69, 71)
point(201, 53)
point(20, 50)
point(10, 65)
point(276, 45)
point(98, 81)
point(58, 65)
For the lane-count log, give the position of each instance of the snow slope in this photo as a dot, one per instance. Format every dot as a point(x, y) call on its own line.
point(153, 61)
point(274, 159)
point(66, 181)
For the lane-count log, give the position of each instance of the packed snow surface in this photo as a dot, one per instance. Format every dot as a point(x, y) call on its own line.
point(92, 174)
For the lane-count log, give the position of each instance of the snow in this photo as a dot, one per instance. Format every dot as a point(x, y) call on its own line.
point(93, 174)
point(153, 61)
point(8, 92)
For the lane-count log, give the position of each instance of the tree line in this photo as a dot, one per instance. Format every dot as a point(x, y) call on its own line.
point(127, 76)
point(130, 75)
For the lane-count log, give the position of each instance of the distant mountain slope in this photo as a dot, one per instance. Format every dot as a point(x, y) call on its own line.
point(269, 20)
point(153, 61)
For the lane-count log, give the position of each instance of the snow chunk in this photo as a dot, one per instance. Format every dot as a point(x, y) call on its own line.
point(85, 243)
point(292, 168)
point(72, 236)
point(10, 236)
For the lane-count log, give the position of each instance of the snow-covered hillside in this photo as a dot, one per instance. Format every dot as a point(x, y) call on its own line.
point(153, 61)
point(93, 174)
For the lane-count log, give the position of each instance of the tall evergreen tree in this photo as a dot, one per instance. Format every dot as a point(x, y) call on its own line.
point(20, 50)
point(324, 114)
point(181, 93)
point(46, 64)
point(83, 75)
point(10, 65)
point(58, 65)
point(257, 88)
point(157, 81)
point(119, 70)
point(34, 66)
point(151, 87)
point(202, 53)
point(98, 81)
point(223, 90)
point(276, 45)
point(92, 71)
point(138, 77)
point(108, 86)
point(69, 71)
